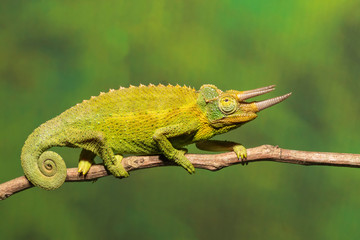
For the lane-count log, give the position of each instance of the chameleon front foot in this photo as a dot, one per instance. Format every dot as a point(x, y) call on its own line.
point(183, 161)
point(216, 145)
point(241, 153)
point(117, 169)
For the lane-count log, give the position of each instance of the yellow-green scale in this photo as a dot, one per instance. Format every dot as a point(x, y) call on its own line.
point(128, 117)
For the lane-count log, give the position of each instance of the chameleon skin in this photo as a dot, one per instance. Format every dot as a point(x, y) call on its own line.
point(140, 120)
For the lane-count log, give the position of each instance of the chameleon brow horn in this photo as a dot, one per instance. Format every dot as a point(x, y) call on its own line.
point(255, 92)
point(260, 91)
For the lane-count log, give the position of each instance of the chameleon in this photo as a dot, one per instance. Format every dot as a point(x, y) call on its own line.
point(143, 120)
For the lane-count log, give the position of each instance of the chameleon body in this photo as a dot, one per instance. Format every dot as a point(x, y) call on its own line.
point(140, 120)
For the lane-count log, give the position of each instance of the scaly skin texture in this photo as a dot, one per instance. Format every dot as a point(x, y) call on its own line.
point(140, 120)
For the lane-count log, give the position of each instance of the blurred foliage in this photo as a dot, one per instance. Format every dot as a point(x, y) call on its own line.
point(54, 54)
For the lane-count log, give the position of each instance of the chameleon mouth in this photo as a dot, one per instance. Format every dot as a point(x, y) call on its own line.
point(261, 105)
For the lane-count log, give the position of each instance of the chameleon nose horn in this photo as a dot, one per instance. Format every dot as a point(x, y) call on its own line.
point(255, 92)
point(270, 102)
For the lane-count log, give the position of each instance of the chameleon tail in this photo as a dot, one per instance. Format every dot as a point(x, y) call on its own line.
point(45, 169)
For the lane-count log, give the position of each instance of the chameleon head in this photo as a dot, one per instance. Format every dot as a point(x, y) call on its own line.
point(229, 109)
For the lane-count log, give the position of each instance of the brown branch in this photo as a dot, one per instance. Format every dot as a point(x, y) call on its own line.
point(211, 162)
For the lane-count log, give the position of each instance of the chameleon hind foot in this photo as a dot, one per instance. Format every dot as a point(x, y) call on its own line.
point(117, 169)
point(86, 160)
point(84, 166)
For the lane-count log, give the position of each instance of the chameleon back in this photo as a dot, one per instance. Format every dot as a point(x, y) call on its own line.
point(128, 117)
point(138, 99)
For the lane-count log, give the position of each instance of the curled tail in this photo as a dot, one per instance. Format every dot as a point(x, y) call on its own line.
point(45, 169)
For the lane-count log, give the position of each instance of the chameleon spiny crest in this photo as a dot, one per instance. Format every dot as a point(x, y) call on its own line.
point(140, 120)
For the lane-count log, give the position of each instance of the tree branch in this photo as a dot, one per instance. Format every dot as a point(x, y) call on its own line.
point(211, 162)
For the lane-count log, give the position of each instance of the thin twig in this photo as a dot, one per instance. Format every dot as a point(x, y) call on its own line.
point(211, 162)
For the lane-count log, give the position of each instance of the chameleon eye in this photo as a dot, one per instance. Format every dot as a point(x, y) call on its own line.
point(227, 104)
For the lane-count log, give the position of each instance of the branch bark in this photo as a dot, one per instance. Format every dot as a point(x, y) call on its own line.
point(211, 162)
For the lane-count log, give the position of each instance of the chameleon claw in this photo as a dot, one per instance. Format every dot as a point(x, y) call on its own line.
point(188, 166)
point(241, 153)
point(191, 169)
point(84, 166)
point(86, 160)
point(184, 162)
point(117, 169)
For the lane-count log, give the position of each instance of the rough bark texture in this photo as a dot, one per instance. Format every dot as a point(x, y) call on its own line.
point(211, 162)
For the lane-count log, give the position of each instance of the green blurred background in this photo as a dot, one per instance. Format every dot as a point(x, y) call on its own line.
point(54, 54)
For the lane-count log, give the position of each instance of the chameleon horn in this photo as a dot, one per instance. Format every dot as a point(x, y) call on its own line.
point(255, 92)
point(270, 102)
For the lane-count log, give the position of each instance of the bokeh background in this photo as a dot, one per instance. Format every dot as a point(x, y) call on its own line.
point(54, 54)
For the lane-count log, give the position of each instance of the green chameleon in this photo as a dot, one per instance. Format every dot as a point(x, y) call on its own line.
point(139, 120)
